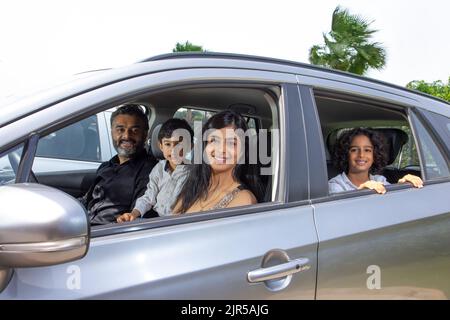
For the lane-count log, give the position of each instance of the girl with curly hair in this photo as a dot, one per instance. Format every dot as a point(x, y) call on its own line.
point(360, 155)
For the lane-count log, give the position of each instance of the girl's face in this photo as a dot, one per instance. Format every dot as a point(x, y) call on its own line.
point(223, 149)
point(360, 155)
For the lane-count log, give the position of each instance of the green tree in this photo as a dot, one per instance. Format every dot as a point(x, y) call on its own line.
point(187, 46)
point(348, 45)
point(436, 88)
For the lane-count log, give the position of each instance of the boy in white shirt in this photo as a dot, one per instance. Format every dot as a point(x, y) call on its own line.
point(167, 177)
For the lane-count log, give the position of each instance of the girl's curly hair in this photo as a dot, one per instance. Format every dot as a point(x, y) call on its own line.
point(342, 147)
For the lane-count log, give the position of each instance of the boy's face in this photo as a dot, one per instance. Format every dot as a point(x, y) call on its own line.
point(167, 146)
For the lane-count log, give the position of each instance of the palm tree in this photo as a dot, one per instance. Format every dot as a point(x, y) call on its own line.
point(347, 46)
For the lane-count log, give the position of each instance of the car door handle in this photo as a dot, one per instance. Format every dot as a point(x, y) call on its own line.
point(278, 271)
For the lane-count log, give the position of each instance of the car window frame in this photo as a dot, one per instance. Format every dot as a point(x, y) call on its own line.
point(289, 93)
point(436, 131)
point(104, 97)
point(257, 120)
point(417, 119)
point(5, 153)
point(318, 164)
point(99, 133)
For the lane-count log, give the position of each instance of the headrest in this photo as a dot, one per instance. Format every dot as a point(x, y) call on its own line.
point(154, 143)
point(394, 139)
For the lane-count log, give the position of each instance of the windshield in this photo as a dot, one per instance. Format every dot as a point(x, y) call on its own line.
point(18, 92)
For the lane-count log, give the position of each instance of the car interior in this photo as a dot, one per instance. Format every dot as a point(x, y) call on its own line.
point(257, 104)
point(252, 103)
point(339, 113)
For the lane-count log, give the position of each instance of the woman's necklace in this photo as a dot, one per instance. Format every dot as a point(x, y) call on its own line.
point(207, 203)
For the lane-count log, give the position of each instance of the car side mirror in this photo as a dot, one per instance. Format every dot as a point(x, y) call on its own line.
point(40, 226)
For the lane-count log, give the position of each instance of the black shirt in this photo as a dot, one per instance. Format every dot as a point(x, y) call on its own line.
point(116, 187)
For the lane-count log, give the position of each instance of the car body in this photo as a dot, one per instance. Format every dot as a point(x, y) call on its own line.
point(300, 244)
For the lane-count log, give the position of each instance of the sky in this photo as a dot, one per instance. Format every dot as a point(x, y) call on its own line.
point(43, 42)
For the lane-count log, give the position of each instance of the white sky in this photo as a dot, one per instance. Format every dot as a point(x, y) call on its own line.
point(43, 41)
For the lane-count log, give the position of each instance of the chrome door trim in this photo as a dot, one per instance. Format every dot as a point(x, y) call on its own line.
point(47, 246)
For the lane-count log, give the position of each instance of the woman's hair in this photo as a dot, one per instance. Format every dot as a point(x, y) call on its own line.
point(199, 177)
point(342, 148)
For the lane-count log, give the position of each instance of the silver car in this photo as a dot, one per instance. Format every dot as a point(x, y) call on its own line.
point(300, 243)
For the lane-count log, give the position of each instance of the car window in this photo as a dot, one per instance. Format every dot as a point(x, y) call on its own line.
point(434, 163)
point(9, 163)
point(408, 156)
point(441, 124)
point(191, 114)
point(339, 113)
point(79, 141)
point(251, 122)
point(54, 164)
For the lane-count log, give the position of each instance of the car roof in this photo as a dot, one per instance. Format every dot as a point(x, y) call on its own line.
point(175, 61)
point(235, 56)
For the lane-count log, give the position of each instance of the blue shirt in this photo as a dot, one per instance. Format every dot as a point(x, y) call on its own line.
point(342, 183)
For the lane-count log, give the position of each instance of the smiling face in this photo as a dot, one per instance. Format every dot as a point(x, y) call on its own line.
point(128, 135)
point(223, 149)
point(360, 155)
point(167, 146)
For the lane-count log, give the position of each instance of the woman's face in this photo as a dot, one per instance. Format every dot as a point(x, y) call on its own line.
point(360, 155)
point(223, 149)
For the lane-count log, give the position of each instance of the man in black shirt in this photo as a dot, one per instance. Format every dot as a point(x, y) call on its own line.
point(123, 179)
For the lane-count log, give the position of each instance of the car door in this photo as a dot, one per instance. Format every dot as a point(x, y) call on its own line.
point(265, 251)
point(391, 246)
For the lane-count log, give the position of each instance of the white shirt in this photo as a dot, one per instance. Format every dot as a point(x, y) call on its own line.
point(342, 183)
point(163, 189)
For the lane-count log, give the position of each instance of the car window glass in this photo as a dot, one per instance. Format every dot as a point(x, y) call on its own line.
point(441, 124)
point(76, 147)
point(435, 164)
point(408, 156)
point(9, 164)
point(340, 113)
point(251, 122)
point(79, 141)
point(191, 115)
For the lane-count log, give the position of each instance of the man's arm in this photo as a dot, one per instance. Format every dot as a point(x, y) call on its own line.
point(84, 200)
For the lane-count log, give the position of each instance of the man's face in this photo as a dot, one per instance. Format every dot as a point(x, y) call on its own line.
point(128, 135)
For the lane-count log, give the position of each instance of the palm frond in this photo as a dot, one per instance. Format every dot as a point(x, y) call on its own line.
point(347, 46)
